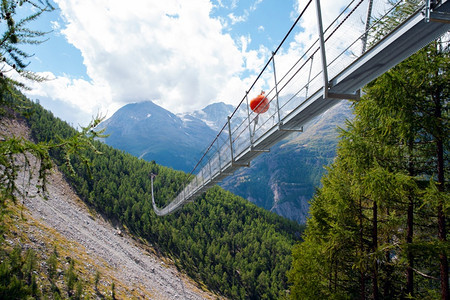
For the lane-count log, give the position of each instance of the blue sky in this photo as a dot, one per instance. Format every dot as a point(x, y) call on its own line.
point(264, 22)
point(183, 55)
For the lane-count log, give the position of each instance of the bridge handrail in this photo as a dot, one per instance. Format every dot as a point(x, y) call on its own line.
point(238, 139)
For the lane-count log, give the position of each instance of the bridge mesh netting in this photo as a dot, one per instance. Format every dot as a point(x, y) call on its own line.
point(318, 48)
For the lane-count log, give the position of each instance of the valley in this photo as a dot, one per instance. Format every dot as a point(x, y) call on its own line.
point(282, 181)
point(222, 242)
point(63, 221)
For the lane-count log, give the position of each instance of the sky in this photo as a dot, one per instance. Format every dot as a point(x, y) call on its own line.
point(182, 55)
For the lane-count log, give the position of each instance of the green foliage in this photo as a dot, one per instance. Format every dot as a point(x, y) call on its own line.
point(52, 263)
point(19, 271)
point(33, 269)
point(74, 284)
point(113, 291)
point(96, 280)
point(71, 278)
point(10, 150)
point(15, 34)
point(220, 239)
point(380, 211)
point(17, 275)
point(14, 151)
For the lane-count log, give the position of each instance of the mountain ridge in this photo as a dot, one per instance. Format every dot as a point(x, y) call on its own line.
point(150, 132)
point(271, 182)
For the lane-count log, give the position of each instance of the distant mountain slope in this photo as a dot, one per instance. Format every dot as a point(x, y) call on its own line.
point(214, 115)
point(285, 179)
point(282, 181)
point(220, 240)
point(148, 131)
point(62, 224)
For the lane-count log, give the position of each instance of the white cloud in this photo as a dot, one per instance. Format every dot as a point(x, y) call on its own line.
point(238, 19)
point(55, 25)
point(246, 13)
point(68, 95)
point(171, 52)
point(254, 6)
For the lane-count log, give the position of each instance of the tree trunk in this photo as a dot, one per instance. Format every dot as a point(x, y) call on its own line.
point(374, 250)
point(410, 256)
point(410, 233)
point(443, 256)
point(442, 235)
point(361, 246)
point(387, 286)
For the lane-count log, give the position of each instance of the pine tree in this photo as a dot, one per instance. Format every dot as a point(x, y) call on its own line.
point(13, 69)
point(385, 180)
point(16, 33)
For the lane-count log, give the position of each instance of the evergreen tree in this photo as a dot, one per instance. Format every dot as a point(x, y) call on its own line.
point(16, 33)
point(379, 219)
point(13, 71)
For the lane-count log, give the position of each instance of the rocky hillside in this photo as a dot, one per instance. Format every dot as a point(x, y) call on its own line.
point(106, 259)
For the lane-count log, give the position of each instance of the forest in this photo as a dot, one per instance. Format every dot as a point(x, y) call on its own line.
point(378, 226)
point(221, 240)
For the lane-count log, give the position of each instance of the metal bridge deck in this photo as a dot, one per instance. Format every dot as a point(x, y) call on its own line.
point(305, 90)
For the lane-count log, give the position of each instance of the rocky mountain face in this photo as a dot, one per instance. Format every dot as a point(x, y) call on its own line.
point(282, 181)
point(150, 132)
point(214, 115)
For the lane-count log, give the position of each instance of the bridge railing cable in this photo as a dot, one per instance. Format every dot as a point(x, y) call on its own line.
point(246, 134)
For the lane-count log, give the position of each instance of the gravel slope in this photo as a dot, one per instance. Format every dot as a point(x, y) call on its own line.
point(135, 265)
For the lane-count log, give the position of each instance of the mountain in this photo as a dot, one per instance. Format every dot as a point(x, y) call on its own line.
point(223, 242)
point(285, 179)
point(214, 115)
point(52, 240)
point(150, 132)
point(282, 181)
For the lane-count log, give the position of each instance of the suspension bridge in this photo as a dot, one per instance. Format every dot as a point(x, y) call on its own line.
point(335, 57)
